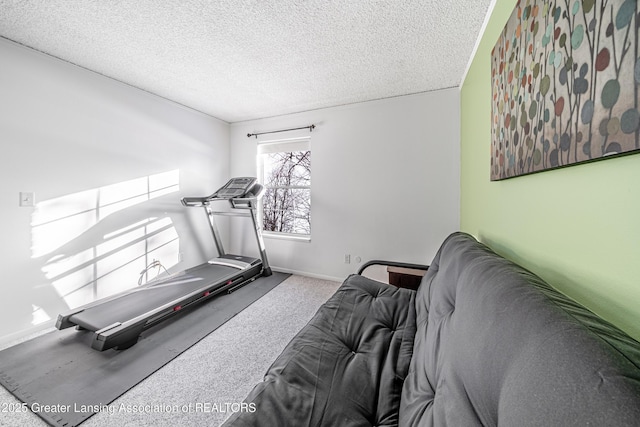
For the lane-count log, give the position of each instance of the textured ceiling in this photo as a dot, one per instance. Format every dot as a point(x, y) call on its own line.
point(244, 59)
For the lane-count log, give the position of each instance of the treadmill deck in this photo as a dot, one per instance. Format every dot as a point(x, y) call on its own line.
point(139, 301)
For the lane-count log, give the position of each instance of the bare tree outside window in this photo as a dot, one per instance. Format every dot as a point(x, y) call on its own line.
point(287, 199)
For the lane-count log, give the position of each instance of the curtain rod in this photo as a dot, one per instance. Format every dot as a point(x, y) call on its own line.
point(310, 127)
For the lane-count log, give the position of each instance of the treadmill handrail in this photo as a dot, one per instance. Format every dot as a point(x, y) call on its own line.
point(196, 201)
point(245, 201)
point(257, 191)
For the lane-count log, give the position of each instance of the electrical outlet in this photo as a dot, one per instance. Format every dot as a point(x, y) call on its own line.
point(27, 199)
point(347, 259)
point(180, 257)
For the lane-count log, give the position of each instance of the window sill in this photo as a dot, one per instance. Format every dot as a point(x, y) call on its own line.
point(285, 236)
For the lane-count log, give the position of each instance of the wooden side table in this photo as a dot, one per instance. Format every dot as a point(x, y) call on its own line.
point(403, 277)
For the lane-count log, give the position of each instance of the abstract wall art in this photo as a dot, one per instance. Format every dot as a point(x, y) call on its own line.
point(565, 85)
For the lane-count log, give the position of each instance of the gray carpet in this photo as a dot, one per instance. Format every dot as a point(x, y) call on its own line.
point(203, 384)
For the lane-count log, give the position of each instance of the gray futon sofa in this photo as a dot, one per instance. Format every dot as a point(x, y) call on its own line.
point(482, 342)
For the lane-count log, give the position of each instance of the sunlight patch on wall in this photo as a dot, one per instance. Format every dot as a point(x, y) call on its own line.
point(39, 315)
point(60, 220)
point(86, 258)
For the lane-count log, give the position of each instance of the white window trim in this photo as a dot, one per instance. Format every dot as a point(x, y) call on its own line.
point(277, 146)
point(279, 235)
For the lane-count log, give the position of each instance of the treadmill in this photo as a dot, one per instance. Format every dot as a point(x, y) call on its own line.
point(117, 321)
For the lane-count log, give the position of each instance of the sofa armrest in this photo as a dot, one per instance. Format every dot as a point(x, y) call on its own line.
point(392, 264)
point(399, 274)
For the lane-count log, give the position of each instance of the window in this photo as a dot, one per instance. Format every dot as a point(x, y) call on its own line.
point(284, 168)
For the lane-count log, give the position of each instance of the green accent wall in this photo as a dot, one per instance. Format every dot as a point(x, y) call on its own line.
point(576, 227)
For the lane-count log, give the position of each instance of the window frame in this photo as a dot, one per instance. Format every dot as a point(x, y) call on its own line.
point(281, 146)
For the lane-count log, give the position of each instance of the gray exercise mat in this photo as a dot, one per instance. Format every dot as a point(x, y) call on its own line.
point(61, 369)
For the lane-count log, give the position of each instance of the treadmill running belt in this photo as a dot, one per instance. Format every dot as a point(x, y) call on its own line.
point(148, 298)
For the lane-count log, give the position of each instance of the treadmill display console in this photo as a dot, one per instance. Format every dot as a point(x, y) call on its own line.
point(236, 187)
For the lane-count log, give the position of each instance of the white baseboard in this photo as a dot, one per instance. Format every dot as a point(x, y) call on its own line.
point(26, 334)
point(307, 274)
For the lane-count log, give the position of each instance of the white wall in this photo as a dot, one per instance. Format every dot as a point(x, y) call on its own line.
point(70, 135)
point(385, 182)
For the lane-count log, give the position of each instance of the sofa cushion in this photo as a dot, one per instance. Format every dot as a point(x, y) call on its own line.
point(495, 345)
point(345, 367)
